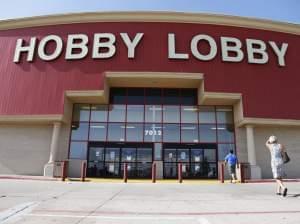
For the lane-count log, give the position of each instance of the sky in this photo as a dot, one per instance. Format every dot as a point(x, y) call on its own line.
point(278, 10)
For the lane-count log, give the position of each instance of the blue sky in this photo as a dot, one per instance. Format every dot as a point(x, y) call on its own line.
point(280, 10)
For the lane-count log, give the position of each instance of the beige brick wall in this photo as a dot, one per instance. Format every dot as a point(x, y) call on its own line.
point(288, 136)
point(24, 149)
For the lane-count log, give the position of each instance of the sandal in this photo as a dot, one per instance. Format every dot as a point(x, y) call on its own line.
point(284, 192)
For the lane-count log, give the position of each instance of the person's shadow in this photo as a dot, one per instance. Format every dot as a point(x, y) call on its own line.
point(293, 195)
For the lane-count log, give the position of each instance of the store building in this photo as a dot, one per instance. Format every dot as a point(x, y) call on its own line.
point(144, 87)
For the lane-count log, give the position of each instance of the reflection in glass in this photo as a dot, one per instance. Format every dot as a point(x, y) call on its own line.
point(117, 96)
point(188, 96)
point(153, 133)
point(134, 132)
point(210, 155)
point(99, 113)
point(117, 113)
point(170, 155)
point(78, 150)
point(153, 96)
point(171, 114)
point(135, 113)
point(189, 114)
point(197, 155)
point(96, 154)
point(116, 132)
point(112, 169)
point(224, 115)
point(171, 96)
point(97, 132)
point(189, 133)
point(112, 154)
point(225, 133)
point(144, 154)
point(170, 170)
point(207, 114)
point(183, 155)
point(128, 154)
point(135, 96)
point(79, 131)
point(207, 133)
point(81, 112)
point(153, 113)
point(171, 133)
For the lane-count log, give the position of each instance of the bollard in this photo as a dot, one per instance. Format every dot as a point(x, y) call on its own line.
point(180, 172)
point(153, 172)
point(83, 171)
point(64, 170)
point(125, 172)
point(242, 171)
point(221, 171)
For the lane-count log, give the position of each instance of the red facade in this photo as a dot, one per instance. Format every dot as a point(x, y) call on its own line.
point(36, 88)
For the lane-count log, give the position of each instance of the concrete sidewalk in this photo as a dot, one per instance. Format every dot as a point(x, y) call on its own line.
point(32, 202)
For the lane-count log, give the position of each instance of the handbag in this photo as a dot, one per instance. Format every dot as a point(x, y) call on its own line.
point(285, 157)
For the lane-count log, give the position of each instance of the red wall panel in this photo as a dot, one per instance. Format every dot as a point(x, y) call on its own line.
point(269, 91)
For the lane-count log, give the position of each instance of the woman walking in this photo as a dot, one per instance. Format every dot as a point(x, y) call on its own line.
point(276, 150)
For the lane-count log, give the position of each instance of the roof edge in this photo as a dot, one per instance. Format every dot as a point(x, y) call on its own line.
point(148, 16)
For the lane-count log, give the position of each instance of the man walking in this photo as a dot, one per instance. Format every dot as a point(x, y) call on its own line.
point(231, 161)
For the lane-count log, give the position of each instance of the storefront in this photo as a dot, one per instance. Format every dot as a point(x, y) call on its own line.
point(144, 88)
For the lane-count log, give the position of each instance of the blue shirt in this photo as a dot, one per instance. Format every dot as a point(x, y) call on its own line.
point(231, 159)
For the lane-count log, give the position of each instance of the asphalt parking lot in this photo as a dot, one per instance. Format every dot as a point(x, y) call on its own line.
point(36, 202)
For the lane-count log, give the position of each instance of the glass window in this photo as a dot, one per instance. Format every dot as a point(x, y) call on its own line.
point(189, 96)
point(81, 112)
point(134, 132)
point(171, 114)
point(153, 113)
point(183, 155)
point(135, 96)
point(197, 155)
point(189, 133)
point(144, 155)
point(225, 133)
point(116, 132)
point(224, 115)
point(117, 113)
point(79, 131)
point(117, 96)
point(99, 113)
point(170, 155)
point(78, 150)
point(97, 131)
point(207, 115)
point(96, 154)
point(153, 96)
point(128, 154)
point(135, 113)
point(189, 114)
point(157, 151)
point(171, 96)
point(210, 155)
point(171, 133)
point(153, 133)
point(223, 150)
point(112, 154)
point(208, 133)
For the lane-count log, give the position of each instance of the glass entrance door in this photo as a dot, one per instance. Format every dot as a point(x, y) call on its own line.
point(108, 159)
point(198, 160)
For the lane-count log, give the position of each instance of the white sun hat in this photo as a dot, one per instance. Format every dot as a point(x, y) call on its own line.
point(272, 139)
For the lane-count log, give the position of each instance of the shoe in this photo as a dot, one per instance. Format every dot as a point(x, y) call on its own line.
point(278, 193)
point(284, 192)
